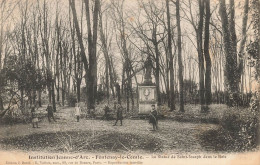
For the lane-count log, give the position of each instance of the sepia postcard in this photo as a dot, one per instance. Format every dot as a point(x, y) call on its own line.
point(129, 82)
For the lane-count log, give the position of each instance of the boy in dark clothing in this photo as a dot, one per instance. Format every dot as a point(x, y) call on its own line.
point(153, 118)
point(119, 114)
point(50, 113)
point(34, 118)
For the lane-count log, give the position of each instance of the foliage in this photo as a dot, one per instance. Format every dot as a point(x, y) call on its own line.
point(2, 81)
point(190, 89)
point(71, 99)
point(237, 132)
point(253, 49)
point(253, 46)
point(100, 96)
point(15, 118)
point(19, 75)
point(25, 74)
point(83, 93)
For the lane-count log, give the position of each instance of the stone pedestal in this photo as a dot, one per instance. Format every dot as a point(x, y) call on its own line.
point(147, 98)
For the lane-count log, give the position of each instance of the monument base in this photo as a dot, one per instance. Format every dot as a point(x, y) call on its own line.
point(147, 98)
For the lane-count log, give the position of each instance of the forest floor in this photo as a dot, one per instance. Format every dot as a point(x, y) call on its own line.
point(89, 135)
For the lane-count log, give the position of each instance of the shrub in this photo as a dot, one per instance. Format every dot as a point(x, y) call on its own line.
point(14, 116)
point(237, 132)
point(100, 96)
point(242, 127)
point(71, 99)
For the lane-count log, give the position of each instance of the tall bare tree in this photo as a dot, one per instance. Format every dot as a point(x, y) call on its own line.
point(91, 67)
point(207, 55)
point(106, 44)
point(92, 48)
point(178, 21)
point(233, 66)
point(172, 96)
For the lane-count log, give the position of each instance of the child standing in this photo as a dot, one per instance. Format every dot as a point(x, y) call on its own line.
point(153, 118)
point(119, 114)
point(34, 118)
point(77, 111)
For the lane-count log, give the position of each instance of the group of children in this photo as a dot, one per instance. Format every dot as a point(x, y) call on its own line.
point(119, 113)
point(35, 119)
point(153, 116)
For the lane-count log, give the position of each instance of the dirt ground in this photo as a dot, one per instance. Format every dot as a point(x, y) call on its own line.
point(172, 136)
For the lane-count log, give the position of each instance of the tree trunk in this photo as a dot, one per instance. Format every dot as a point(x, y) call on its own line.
point(1, 104)
point(179, 54)
point(132, 96)
point(107, 80)
point(1, 50)
point(92, 44)
point(258, 65)
point(58, 89)
point(39, 98)
point(22, 100)
point(231, 73)
point(53, 95)
point(111, 73)
point(46, 50)
point(123, 77)
point(207, 55)
point(172, 99)
point(232, 25)
point(63, 78)
point(57, 58)
point(127, 97)
point(200, 54)
point(79, 76)
point(63, 96)
point(80, 40)
point(242, 43)
point(128, 83)
point(79, 36)
point(157, 65)
point(105, 52)
point(118, 93)
point(49, 94)
point(78, 89)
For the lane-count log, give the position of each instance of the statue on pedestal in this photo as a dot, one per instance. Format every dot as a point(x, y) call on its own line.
point(148, 66)
point(147, 90)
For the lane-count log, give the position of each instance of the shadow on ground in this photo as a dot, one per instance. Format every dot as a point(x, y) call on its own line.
point(75, 141)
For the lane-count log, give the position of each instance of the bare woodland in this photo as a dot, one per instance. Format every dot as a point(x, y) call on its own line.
point(204, 53)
